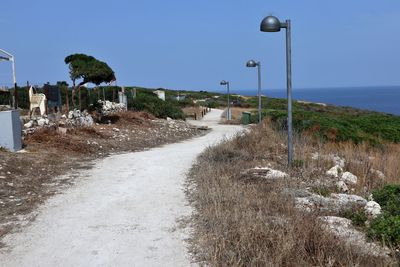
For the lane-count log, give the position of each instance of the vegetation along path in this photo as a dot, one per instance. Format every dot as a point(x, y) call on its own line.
point(123, 212)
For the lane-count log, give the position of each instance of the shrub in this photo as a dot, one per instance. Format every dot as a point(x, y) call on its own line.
point(389, 199)
point(357, 217)
point(147, 101)
point(386, 229)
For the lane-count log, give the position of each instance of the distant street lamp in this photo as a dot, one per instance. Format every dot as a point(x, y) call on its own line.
point(11, 58)
point(272, 24)
point(253, 64)
point(228, 113)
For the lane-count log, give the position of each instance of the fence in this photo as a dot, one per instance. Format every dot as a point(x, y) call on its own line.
point(83, 99)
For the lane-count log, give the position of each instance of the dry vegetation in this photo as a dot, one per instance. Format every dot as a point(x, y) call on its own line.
point(244, 221)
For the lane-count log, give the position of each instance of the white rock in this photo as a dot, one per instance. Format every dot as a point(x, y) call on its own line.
point(349, 178)
point(335, 171)
point(28, 124)
point(70, 115)
point(373, 209)
point(345, 200)
point(169, 119)
point(268, 173)
point(343, 229)
point(41, 122)
point(342, 186)
point(116, 130)
point(63, 116)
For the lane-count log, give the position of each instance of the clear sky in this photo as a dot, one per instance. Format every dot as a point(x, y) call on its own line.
point(193, 44)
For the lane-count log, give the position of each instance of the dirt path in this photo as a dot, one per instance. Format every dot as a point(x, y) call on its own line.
point(123, 212)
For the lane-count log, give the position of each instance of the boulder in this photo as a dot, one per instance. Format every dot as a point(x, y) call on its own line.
point(41, 122)
point(349, 178)
point(342, 228)
point(335, 171)
point(28, 124)
point(373, 209)
point(347, 201)
point(266, 173)
point(342, 186)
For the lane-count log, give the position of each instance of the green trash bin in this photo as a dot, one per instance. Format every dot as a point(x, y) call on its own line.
point(246, 116)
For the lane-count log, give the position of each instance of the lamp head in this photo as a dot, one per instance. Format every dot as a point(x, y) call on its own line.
point(251, 64)
point(223, 82)
point(270, 24)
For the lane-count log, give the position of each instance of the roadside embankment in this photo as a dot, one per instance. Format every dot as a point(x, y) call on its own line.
point(251, 210)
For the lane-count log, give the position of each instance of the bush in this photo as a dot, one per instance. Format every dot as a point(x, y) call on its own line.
point(389, 199)
point(147, 101)
point(386, 229)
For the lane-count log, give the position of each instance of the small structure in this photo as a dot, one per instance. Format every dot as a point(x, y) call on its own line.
point(10, 130)
point(122, 98)
point(36, 101)
point(160, 94)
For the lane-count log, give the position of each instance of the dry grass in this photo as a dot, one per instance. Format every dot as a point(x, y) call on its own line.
point(243, 221)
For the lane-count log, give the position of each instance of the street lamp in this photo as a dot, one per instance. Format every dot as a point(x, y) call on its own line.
point(272, 24)
point(228, 114)
point(253, 64)
point(11, 58)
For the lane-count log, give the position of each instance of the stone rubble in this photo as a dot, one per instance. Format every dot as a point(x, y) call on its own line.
point(109, 107)
point(342, 228)
point(373, 209)
point(335, 203)
point(349, 178)
point(335, 171)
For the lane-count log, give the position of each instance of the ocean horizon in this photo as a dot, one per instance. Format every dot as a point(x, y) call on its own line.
point(375, 98)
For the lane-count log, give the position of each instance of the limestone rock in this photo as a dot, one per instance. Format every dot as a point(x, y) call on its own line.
point(28, 124)
point(373, 209)
point(41, 122)
point(349, 178)
point(335, 171)
point(267, 173)
point(342, 228)
point(342, 186)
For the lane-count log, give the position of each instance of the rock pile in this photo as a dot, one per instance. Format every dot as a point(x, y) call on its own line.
point(111, 107)
point(76, 118)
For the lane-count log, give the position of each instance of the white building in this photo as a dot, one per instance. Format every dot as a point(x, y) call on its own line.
point(160, 94)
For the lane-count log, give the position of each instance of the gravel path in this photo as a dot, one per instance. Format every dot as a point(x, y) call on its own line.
point(123, 212)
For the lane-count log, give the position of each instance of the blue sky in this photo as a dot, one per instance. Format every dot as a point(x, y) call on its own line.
point(194, 44)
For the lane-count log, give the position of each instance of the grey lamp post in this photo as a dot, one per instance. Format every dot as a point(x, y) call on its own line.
point(272, 24)
point(11, 58)
point(253, 64)
point(228, 115)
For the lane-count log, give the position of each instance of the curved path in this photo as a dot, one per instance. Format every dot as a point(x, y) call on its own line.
point(123, 212)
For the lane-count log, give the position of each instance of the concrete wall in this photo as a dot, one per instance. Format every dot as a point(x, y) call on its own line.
point(10, 130)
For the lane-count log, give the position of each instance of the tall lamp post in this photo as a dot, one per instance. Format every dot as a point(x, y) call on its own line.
point(228, 114)
point(272, 24)
point(253, 64)
point(11, 58)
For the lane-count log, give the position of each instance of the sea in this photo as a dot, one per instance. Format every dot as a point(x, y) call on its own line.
point(383, 98)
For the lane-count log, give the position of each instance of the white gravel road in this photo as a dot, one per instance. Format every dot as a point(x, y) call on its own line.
point(123, 212)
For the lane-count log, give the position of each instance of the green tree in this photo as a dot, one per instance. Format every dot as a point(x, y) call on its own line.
point(89, 70)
